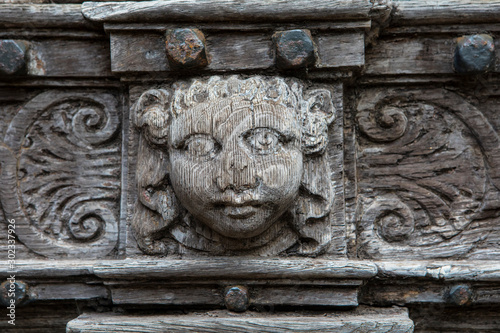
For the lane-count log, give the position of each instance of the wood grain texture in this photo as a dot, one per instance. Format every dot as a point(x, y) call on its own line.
point(227, 268)
point(208, 10)
point(219, 188)
point(145, 52)
point(42, 16)
point(69, 58)
point(260, 295)
point(425, 292)
point(341, 50)
point(424, 55)
point(50, 154)
point(408, 12)
point(424, 180)
point(352, 25)
point(230, 51)
point(437, 319)
point(482, 270)
point(362, 320)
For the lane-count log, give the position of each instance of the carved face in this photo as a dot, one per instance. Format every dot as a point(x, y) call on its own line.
point(236, 166)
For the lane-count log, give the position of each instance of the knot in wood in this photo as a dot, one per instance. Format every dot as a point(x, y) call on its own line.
point(474, 54)
point(12, 57)
point(186, 49)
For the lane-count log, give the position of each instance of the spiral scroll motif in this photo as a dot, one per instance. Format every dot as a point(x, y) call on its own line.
point(384, 125)
point(68, 174)
point(94, 125)
point(423, 182)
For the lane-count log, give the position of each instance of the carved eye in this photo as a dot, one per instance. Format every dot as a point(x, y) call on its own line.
point(200, 145)
point(264, 140)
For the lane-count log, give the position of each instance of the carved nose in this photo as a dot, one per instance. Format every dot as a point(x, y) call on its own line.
point(235, 173)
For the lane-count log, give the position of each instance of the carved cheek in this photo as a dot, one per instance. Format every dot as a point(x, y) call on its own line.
point(191, 179)
point(282, 172)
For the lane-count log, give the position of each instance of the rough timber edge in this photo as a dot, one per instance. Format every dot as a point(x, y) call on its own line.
point(254, 268)
point(225, 10)
point(362, 319)
point(409, 12)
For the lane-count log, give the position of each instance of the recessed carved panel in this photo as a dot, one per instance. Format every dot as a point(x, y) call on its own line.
point(428, 175)
point(234, 166)
point(60, 174)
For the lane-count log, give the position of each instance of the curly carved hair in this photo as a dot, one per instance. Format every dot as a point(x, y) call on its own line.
point(314, 109)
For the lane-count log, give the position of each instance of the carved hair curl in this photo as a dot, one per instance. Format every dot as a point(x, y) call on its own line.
point(314, 109)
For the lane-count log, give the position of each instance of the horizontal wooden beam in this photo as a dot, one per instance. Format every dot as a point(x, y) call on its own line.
point(225, 10)
point(422, 12)
point(42, 16)
point(391, 320)
point(252, 268)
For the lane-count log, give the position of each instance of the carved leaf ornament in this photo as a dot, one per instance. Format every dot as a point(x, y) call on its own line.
point(60, 171)
point(427, 160)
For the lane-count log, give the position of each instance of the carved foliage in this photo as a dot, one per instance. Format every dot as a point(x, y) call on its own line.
point(426, 161)
point(233, 166)
point(61, 174)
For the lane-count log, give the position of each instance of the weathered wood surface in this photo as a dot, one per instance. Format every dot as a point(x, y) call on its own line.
point(408, 12)
point(50, 187)
point(69, 58)
point(438, 319)
point(227, 10)
point(222, 190)
point(229, 51)
point(42, 16)
point(428, 176)
point(407, 293)
point(260, 295)
point(49, 268)
point(255, 269)
point(66, 291)
point(46, 317)
point(227, 268)
point(482, 270)
point(362, 320)
point(405, 55)
point(353, 25)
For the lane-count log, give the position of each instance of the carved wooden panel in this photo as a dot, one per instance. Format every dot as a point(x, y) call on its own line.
point(60, 172)
point(250, 165)
point(229, 165)
point(428, 175)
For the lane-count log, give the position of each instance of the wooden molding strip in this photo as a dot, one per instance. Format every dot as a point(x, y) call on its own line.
point(225, 10)
point(363, 319)
point(250, 268)
point(421, 12)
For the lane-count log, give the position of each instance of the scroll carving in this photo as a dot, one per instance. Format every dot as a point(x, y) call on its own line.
point(427, 164)
point(233, 166)
point(60, 171)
